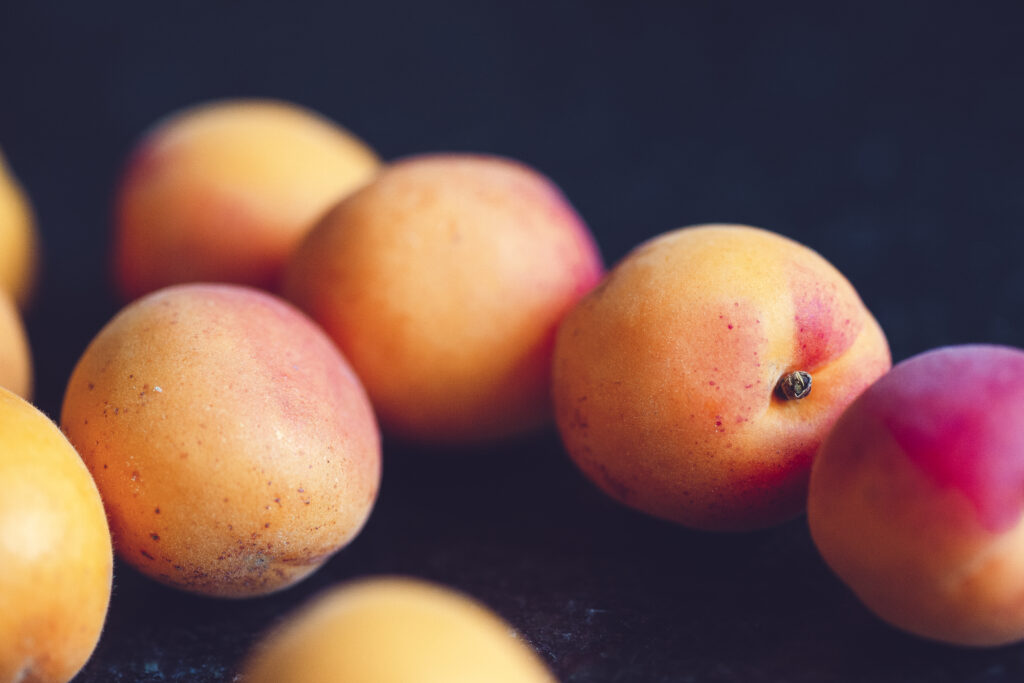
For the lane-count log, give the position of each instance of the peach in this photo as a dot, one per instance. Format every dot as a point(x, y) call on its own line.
point(18, 240)
point(56, 562)
point(224, 191)
point(443, 281)
point(916, 496)
point(394, 630)
point(671, 379)
point(235, 449)
point(15, 356)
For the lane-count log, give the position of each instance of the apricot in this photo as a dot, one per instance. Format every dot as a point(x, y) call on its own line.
point(224, 191)
point(56, 561)
point(18, 240)
point(235, 449)
point(915, 498)
point(394, 630)
point(15, 356)
point(443, 282)
point(680, 383)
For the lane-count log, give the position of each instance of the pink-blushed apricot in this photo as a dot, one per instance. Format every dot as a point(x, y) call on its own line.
point(225, 190)
point(15, 355)
point(916, 496)
point(18, 240)
point(234, 448)
point(671, 379)
point(56, 561)
point(394, 630)
point(443, 282)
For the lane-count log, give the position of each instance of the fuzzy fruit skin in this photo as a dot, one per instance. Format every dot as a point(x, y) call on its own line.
point(15, 355)
point(223, 192)
point(56, 560)
point(915, 498)
point(394, 630)
point(443, 281)
point(664, 376)
point(235, 449)
point(19, 245)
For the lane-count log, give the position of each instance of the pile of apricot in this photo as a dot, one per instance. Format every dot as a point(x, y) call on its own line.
point(288, 296)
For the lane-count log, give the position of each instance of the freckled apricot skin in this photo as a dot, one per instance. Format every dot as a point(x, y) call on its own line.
point(664, 375)
point(56, 561)
point(15, 356)
point(915, 497)
point(18, 239)
point(394, 630)
point(443, 282)
point(235, 449)
point(223, 191)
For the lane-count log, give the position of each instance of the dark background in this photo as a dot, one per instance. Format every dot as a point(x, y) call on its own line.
point(887, 136)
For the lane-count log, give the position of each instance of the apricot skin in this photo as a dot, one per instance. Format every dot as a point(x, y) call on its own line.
point(443, 282)
point(15, 356)
point(664, 376)
point(394, 630)
point(234, 448)
point(18, 240)
point(224, 191)
point(56, 560)
point(915, 498)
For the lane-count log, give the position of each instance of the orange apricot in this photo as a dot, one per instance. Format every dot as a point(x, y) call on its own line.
point(18, 240)
point(679, 383)
point(443, 282)
point(224, 191)
point(394, 630)
point(15, 356)
point(56, 560)
point(235, 449)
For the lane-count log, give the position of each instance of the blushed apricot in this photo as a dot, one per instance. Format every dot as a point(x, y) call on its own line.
point(443, 282)
point(234, 448)
point(671, 379)
point(55, 554)
point(18, 240)
point(394, 630)
point(224, 191)
point(15, 356)
point(916, 496)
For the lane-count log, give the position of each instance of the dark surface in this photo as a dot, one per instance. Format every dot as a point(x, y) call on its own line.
point(887, 137)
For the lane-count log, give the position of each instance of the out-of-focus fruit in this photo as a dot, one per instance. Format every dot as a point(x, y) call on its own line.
point(18, 241)
point(443, 282)
point(670, 378)
point(55, 554)
point(394, 630)
point(15, 356)
point(916, 496)
point(224, 191)
point(234, 448)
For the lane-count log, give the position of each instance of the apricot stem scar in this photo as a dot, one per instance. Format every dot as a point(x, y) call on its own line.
point(794, 386)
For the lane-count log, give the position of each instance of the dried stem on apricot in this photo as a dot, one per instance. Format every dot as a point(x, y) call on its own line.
point(794, 386)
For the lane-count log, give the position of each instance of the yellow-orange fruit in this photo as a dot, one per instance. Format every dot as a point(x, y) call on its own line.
point(55, 554)
point(666, 376)
point(394, 630)
point(18, 241)
point(234, 448)
point(443, 281)
point(15, 356)
point(224, 191)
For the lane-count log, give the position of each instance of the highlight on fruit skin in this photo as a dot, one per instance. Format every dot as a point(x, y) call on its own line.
point(443, 281)
point(915, 497)
point(682, 383)
point(19, 241)
point(235, 449)
point(223, 191)
point(394, 630)
point(56, 559)
point(15, 354)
